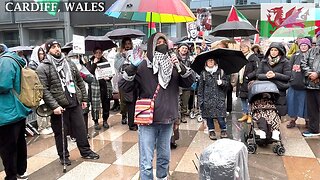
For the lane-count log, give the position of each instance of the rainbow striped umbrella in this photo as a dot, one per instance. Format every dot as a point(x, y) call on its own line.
point(158, 11)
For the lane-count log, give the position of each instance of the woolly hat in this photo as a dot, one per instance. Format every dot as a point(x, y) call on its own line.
point(246, 43)
point(304, 41)
point(183, 44)
point(50, 43)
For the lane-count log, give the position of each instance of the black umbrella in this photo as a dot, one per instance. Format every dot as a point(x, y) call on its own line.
point(67, 47)
point(234, 29)
point(124, 32)
point(103, 42)
point(231, 61)
point(27, 50)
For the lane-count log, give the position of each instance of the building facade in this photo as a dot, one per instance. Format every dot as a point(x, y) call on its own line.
point(26, 28)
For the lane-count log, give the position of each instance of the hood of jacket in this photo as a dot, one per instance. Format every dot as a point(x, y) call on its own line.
point(279, 46)
point(152, 43)
point(35, 55)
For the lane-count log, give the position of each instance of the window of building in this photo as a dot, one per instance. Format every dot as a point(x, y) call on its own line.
point(11, 38)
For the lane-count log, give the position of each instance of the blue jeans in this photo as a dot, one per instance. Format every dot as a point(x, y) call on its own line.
point(244, 105)
point(151, 137)
point(221, 121)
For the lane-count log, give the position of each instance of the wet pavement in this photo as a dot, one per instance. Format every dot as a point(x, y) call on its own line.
point(119, 157)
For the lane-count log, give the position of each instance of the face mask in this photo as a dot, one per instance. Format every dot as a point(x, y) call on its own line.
point(162, 48)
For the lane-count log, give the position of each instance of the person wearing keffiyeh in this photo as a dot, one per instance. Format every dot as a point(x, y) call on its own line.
point(144, 75)
point(65, 93)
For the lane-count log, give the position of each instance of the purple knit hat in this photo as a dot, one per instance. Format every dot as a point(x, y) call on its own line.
point(304, 41)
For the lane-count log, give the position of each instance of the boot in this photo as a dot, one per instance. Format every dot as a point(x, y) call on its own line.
point(96, 126)
point(243, 118)
point(105, 125)
point(291, 124)
point(249, 120)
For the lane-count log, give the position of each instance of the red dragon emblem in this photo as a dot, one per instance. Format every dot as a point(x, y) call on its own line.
point(292, 18)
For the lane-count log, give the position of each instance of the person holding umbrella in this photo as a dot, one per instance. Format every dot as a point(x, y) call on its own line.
point(100, 90)
point(158, 71)
point(65, 93)
point(211, 97)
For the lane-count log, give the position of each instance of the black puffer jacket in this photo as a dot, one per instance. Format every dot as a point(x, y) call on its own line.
point(53, 94)
point(248, 75)
point(282, 72)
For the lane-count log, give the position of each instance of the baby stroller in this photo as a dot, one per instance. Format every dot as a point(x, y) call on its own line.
point(262, 98)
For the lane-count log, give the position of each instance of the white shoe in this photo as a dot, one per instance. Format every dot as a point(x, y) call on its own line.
point(45, 131)
point(22, 177)
point(276, 135)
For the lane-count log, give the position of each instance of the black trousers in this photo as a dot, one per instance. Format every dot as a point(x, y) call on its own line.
point(73, 119)
point(105, 101)
point(229, 98)
point(131, 109)
point(13, 149)
point(313, 105)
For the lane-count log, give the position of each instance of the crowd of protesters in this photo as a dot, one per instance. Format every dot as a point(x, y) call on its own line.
point(71, 86)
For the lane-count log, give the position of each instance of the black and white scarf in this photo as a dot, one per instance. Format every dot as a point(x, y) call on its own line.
point(163, 66)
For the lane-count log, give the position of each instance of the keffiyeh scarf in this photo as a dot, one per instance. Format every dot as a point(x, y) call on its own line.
point(162, 65)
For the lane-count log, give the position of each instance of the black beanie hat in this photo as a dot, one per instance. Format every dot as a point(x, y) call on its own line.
point(50, 43)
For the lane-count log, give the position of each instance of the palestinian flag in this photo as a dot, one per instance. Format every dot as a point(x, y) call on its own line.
point(235, 15)
point(287, 15)
point(53, 12)
point(151, 28)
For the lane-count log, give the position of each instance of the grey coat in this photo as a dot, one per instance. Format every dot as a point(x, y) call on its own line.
point(53, 94)
point(211, 96)
point(311, 63)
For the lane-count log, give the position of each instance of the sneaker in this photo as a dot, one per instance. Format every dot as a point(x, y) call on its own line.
point(173, 145)
point(66, 161)
point(223, 134)
point(24, 176)
point(45, 131)
point(91, 155)
point(124, 121)
point(106, 125)
point(310, 134)
point(212, 135)
point(134, 128)
point(97, 127)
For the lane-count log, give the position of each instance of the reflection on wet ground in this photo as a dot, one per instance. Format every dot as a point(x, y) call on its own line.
point(118, 149)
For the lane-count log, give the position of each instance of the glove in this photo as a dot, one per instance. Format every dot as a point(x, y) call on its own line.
point(219, 82)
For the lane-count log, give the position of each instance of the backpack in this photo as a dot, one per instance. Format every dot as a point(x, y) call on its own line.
point(31, 87)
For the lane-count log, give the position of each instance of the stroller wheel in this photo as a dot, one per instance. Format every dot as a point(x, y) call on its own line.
point(199, 119)
point(252, 148)
point(275, 148)
point(281, 150)
point(192, 115)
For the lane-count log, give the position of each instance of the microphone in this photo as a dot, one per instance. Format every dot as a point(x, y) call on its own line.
point(171, 54)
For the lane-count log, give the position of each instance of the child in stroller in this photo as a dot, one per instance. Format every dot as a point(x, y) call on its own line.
point(262, 97)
